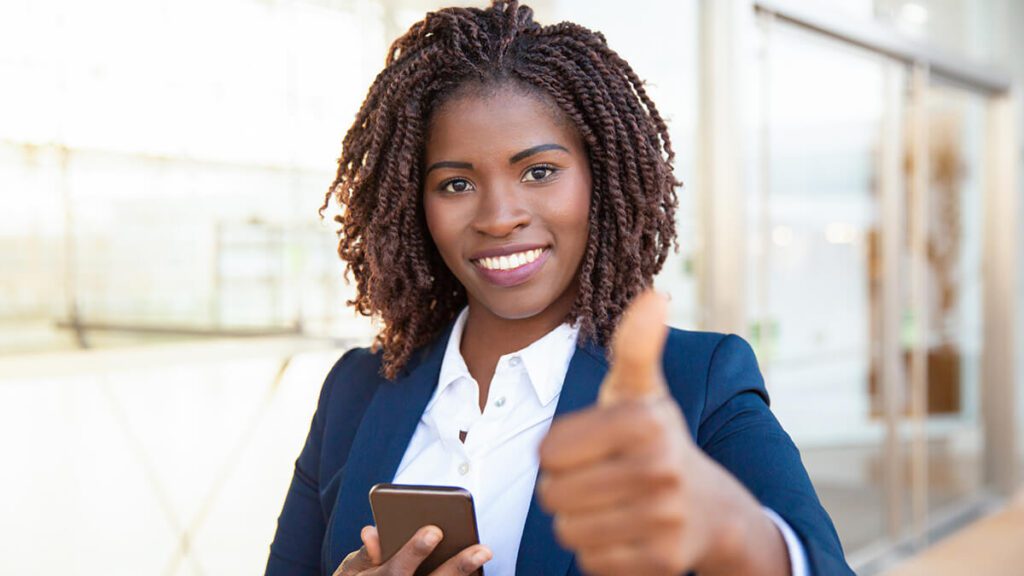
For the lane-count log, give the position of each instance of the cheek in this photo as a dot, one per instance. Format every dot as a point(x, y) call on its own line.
point(443, 227)
point(574, 215)
point(435, 222)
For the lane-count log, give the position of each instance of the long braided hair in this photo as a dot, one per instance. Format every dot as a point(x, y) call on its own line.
point(383, 237)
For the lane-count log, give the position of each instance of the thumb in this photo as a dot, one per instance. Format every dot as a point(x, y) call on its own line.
point(637, 346)
point(371, 541)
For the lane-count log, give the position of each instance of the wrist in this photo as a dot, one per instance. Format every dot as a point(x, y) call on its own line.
point(749, 543)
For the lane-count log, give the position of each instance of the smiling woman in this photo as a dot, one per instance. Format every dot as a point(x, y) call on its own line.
point(507, 191)
point(455, 112)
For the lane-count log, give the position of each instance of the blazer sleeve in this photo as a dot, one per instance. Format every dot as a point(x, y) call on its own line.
point(738, 430)
point(301, 524)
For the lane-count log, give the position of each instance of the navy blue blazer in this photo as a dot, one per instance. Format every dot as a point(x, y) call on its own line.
point(364, 422)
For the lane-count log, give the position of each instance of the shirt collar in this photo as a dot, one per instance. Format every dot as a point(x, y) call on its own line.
point(546, 360)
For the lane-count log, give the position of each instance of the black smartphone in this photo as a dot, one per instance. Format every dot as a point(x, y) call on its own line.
point(399, 510)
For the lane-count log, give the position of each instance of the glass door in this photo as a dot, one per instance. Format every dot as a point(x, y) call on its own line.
point(865, 286)
point(816, 279)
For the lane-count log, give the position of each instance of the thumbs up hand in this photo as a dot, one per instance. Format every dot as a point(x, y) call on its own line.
point(631, 493)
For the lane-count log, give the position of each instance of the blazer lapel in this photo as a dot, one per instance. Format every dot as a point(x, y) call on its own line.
point(380, 442)
point(539, 552)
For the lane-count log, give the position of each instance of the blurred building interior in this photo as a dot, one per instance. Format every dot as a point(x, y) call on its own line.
point(170, 300)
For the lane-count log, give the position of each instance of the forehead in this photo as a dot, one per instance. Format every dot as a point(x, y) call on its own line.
point(481, 122)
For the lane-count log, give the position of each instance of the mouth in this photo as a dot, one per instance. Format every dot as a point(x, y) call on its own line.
point(511, 269)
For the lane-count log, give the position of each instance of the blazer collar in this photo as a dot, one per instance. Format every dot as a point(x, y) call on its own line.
point(539, 552)
point(387, 427)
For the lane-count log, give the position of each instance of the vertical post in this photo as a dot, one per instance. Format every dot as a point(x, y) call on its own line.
point(762, 262)
point(1001, 239)
point(727, 29)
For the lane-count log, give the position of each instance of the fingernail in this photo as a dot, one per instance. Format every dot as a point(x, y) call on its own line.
point(481, 556)
point(431, 538)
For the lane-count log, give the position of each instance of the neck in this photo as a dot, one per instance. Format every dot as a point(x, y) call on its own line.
point(489, 335)
point(499, 336)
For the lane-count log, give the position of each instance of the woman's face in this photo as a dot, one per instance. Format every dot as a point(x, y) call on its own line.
point(507, 196)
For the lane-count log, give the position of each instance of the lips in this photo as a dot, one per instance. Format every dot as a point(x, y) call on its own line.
point(514, 276)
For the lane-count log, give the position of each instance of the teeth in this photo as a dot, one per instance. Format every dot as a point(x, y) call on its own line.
point(510, 261)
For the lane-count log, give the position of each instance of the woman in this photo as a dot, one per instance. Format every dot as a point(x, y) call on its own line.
point(507, 190)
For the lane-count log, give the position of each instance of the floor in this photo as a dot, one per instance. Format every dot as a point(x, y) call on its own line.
point(170, 460)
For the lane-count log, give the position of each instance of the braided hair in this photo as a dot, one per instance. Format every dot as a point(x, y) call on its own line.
point(383, 237)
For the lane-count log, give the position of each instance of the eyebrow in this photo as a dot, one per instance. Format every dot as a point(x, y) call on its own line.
point(512, 160)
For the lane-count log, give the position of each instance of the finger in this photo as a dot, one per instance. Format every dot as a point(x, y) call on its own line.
point(637, 347)
point(371, 541)
point(640, 520)
point(605, 483)
point(412, 554)
point(633, 558)
point(594, 434)
point(466, 562)
point(620, 559)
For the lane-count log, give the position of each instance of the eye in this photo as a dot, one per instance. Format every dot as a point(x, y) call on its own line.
point(455, 185)
point(539, 172)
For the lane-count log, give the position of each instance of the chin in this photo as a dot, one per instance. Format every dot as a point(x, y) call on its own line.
point(514, 308)
point(512, 304)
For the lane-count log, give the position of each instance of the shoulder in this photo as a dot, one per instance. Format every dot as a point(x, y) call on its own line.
point(706, 369)
point(357, 360)
point(704, 353)
point(351, 381)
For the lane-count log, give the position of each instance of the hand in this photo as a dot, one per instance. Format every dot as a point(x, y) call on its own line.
point(629, 490)
point(367, 560)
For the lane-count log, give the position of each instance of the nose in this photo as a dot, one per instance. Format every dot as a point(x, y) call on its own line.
point(502, 210)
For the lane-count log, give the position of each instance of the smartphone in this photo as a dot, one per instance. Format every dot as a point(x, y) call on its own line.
point(399, 510)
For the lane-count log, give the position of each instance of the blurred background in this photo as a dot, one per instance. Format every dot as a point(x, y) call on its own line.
point(170, 301)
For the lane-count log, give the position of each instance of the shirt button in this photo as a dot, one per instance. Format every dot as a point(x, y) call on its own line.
point(514, 361)
point(464, 468)
point(500, 402)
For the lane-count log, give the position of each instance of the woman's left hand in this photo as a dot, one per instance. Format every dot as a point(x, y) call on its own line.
point(631, 493)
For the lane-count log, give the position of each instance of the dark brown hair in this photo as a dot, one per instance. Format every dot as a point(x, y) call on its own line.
point(383, 236)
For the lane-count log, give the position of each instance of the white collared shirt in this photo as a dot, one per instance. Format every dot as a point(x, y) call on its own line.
point(498, 462)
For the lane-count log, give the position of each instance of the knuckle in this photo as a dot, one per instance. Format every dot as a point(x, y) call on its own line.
point(659, 472)
point(665, 513)
point(564, 531)
point(465, 564)
point(670, 559)
point(588, 563)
